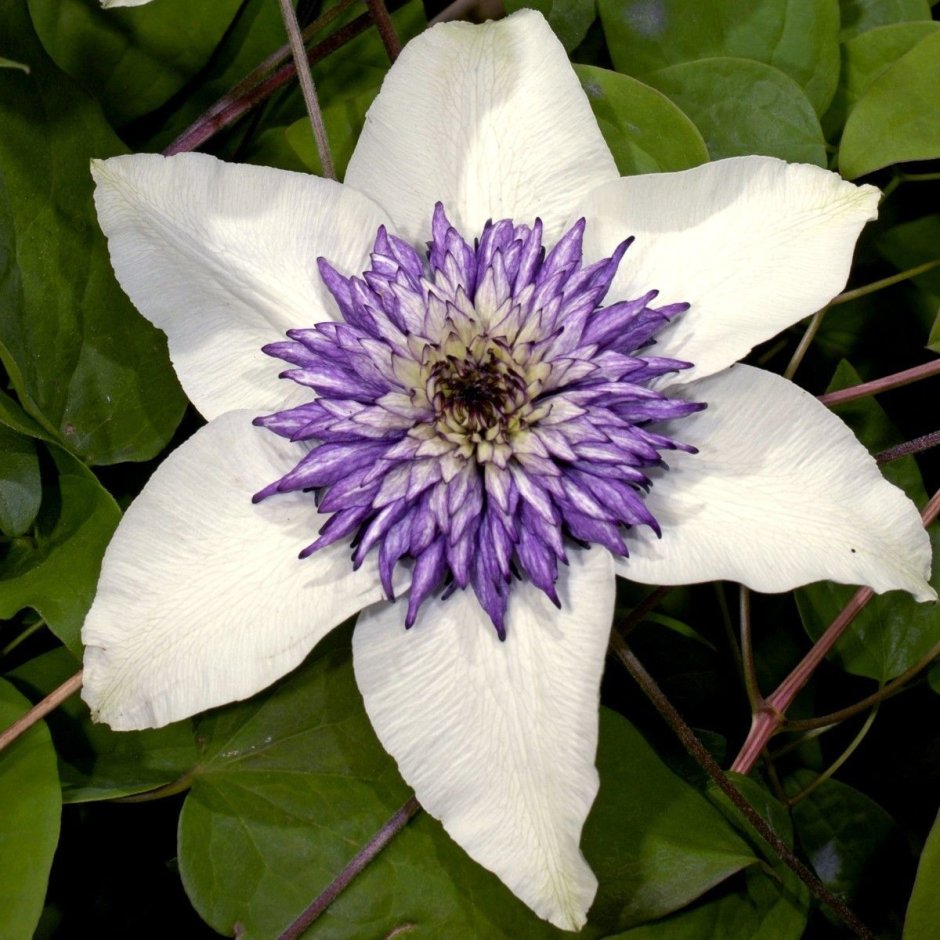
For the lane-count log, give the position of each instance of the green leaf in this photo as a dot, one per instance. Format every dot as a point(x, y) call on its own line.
point(872, 426)
point(800, 39)
point(288, 788)
point(570, 19)
point(12, 416)
point(29, 822)
point(895, 120)
point(768, 903)
point(20, 487)
point(682, 629)
point(923, 911)
point(889, 636)
point(84, 363)
point(132, 61)
point(56, 570)
point(933, 677)
point(256, 31)
point(893, 631)
point(744, 107)
point(96, 763)
point(346, 86)
point(343, 120)
point(864, 58)
point(645, 131)
point(843, 833)
point(292, 783)
point(859, 16)
point(933, 341)
point(271, 147)
point(772, 812)
point(790, 897)
point(655, 842)
point(756, 911)
point(364, 61)
point(911, 244)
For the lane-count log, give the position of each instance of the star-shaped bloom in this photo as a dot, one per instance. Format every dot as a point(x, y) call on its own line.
point(483, 386)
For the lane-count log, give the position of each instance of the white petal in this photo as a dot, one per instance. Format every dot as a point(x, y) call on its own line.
point(780, 494)
point(498, 739)
point(490, 120)
point(202, 598)
point(108, 4)
point(752, 243)
point(222, 257)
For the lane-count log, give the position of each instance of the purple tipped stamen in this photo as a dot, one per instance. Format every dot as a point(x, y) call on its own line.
point(475, 411)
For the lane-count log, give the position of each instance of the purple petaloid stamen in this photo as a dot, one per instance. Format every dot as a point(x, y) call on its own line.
point(475, 411)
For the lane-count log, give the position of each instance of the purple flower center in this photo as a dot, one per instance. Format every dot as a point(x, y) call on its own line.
point(476, 410)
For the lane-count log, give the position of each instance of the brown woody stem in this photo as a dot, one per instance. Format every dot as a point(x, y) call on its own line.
point(359, 861)
point(39, 711)
point(708, 763)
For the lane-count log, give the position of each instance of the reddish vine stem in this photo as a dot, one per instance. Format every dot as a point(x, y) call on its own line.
point(265, 67)
point(916, 446)
point(884, 384)
point(708, 763)
point(245, 97)
point(768, 718)
point(386, 28)
point(39, 711)
point(359, 861)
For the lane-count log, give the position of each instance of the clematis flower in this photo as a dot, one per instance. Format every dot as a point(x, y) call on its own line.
point(470, 442)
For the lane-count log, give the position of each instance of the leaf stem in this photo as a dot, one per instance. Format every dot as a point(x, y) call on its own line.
point(721, 780)
point(22, 637)
point(805, 342)
point(307, 88)
point(838, 762)
point(39, 711)
point(890, 689)
point(814, 324)
point(180, 785)
point(884, 384)
point(798, 742)
point(730, 633)
point(866, 289)
point(359, 861)
point(770, 768)
point(748, 664)
point(901, 177)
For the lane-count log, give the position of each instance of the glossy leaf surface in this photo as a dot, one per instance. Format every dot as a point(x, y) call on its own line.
point(84, 363)
point(29, 823)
